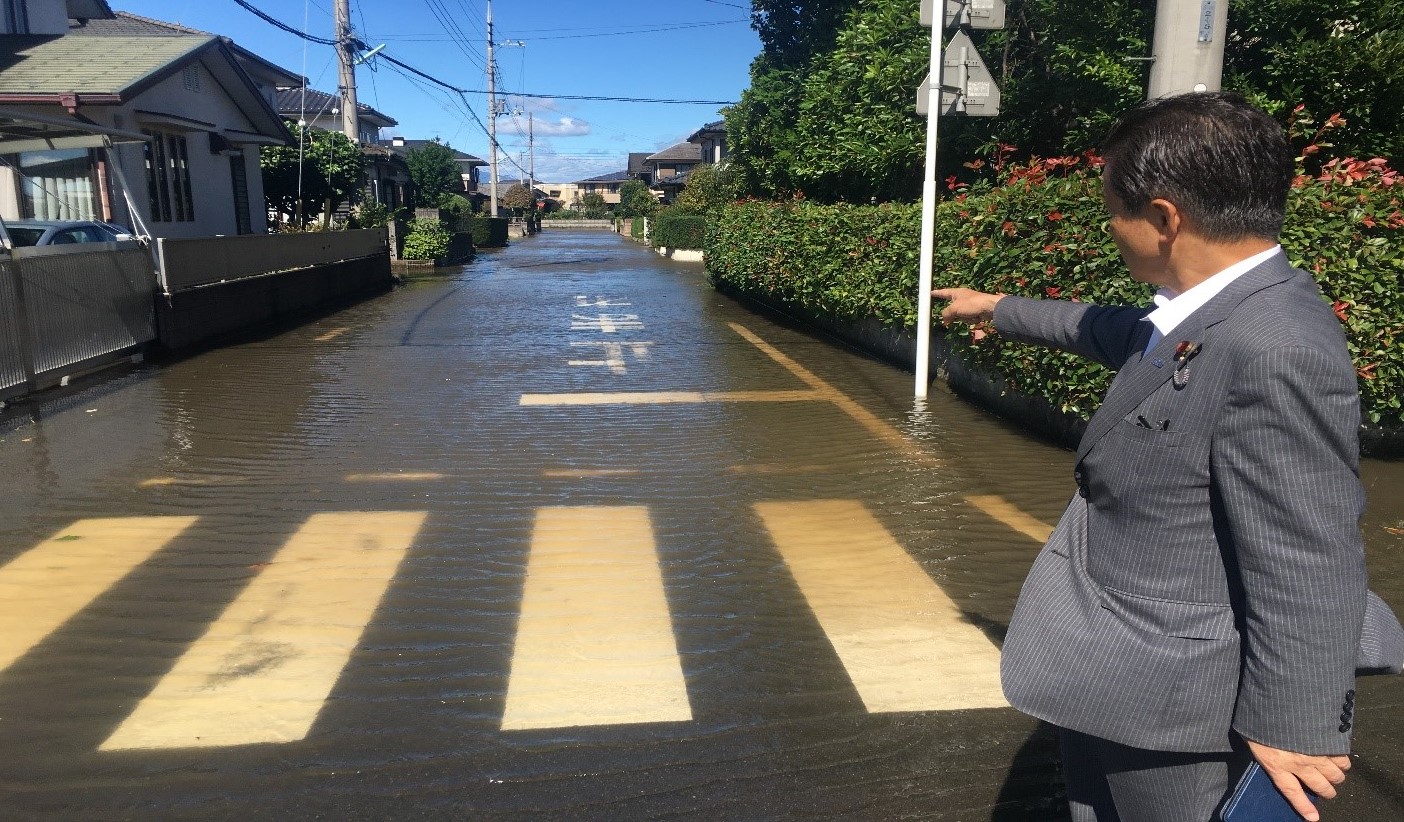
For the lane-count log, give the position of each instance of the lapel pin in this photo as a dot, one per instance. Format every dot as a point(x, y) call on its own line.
point(1184, 352)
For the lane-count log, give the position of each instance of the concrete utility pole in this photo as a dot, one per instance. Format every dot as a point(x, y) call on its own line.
point(346, 54)
point(1188, 49)
point(531, 154)
point(492, 114)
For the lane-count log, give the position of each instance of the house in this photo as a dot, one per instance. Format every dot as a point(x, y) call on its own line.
point(198, 108)
point(711, 138)
point(668, 168)
point(638, 169)
point(606, 185)
point(387, 174)
point(671, 161)
point(468, 166)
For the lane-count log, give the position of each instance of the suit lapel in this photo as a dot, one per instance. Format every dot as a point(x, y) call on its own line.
point(1142, 375)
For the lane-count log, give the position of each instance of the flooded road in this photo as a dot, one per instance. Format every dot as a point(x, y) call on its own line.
point(564, 534)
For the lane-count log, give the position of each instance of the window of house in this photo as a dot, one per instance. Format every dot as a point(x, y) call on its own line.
point(14, 17)
point(58, 185)
point(168, 177)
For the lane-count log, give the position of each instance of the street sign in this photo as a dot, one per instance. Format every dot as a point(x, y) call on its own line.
point(977, 14)
point(967, 87)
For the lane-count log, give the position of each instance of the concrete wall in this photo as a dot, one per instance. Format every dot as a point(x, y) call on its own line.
point(203, 316)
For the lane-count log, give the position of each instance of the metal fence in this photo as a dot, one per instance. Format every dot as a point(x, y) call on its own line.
point(187, 264)
point(62, 306)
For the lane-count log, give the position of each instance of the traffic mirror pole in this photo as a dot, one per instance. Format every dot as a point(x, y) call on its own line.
point(928, 218)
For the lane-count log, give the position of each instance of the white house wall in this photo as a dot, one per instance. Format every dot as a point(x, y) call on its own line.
point(212, 185)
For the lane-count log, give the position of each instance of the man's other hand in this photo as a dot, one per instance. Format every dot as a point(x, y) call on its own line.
point(966, 305)
point(1291, 772)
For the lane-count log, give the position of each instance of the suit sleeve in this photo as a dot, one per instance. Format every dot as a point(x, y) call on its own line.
point(1105, 334)
point(1287, 486)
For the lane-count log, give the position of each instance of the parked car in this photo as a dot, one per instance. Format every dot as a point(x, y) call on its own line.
point(63, 232)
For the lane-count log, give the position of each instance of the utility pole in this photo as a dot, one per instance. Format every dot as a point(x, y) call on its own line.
point(531, 153)
point(346, 54)
point(1188, 49)
point(492, 113)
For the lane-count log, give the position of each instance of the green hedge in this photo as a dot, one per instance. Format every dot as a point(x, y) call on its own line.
point(427, 240)
point(489, 232)
point(1041, 232)
point(636, 228)
point(679, 230)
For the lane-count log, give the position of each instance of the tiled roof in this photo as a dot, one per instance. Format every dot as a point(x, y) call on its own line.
point(291, 104)
point(89, 65)
point(714, 127)
point(612, 177)
point(636, 162)
point(126, 23)
point(407, 145)
point(681, 152)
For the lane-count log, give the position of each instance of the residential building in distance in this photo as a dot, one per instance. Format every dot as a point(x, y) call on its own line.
point(387, 174)
point(606, 185)
point(188, 112)
point(711, 139)
point(469, 167)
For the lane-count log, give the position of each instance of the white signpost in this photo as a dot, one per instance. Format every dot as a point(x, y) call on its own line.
point(963, 85)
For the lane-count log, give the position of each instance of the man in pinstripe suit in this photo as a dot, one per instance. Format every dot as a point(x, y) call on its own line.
point(1201, 599)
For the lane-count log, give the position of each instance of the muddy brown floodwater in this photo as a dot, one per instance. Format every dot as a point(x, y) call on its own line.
point(561, 534)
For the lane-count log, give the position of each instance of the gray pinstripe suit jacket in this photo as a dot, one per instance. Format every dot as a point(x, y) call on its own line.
point(1209, 576)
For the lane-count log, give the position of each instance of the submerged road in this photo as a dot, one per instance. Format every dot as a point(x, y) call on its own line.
point(564, 534)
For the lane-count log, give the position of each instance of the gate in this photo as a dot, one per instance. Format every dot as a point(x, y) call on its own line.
point(66, 308)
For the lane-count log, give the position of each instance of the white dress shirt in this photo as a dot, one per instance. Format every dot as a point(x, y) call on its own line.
point(1172, 309)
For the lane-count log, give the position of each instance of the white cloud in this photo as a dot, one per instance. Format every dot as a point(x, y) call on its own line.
point(564, 127)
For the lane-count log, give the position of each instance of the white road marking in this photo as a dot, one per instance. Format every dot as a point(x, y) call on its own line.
point(333, 334)
point(666, 397)
point(582, 301)
point(264, 669)
point(1004, 511)
point(595, 642)
point(614, 354)
point(606, 323)
point(44, 587)
point(905, 644)
point(397, 476)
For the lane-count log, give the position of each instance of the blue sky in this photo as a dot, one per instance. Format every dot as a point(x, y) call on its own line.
point(668, 49)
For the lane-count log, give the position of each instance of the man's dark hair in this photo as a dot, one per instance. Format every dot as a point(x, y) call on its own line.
point(1225, 163)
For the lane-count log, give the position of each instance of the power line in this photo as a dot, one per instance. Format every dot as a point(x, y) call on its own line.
point(381, 55)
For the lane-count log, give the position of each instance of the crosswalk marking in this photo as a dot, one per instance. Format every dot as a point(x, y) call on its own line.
point(44, 587)
point(595, 642)
point(264, 668)
point(1001, 509)
point(904, 643)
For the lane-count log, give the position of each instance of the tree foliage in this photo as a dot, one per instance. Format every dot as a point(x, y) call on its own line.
point(328, 164)
point(594, 206)
point(628, 204)
point(519, 198)
point(1340, 58)
point(434, 172)
point(708, 187)
point(830, 110)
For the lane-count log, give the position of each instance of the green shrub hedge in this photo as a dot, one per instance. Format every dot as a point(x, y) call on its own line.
point(427, 240)
point(489, 232)
point(1041, 231)
point(636, 228)
point(679, 230)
